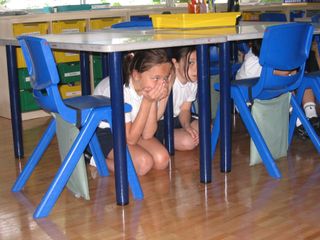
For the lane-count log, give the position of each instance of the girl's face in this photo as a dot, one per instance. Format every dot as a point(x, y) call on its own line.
point(148, 79)
point(190, 67)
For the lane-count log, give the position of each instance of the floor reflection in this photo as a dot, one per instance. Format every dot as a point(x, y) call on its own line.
point(50, 228)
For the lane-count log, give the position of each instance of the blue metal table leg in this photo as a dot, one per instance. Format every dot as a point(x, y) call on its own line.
point(204, 113)
point(119, 140)
point(225, 107)
point(85, 73)
point(14, 101)
point(168, 119)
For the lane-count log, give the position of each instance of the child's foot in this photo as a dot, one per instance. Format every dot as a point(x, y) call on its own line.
point(301, 133)
point(87, 157)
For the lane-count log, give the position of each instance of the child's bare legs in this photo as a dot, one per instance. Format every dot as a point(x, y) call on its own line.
point(309, 106)
point(308, 96)
point(145, 155)
point(157, 151)
point(183, 140)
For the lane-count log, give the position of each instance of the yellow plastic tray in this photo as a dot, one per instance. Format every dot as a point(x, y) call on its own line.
point(103, 23)
point(189, 20)
point(28, 29)
point(68, 91)
point(67, 26)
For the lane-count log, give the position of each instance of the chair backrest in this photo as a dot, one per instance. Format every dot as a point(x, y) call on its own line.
point(134, 23)
point(284, 47)
point(272, 17)
point(140, 18)
point(44, 76)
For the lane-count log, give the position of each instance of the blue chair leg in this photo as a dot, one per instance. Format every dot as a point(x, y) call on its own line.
point(66, 169)
point(35, 156)
point(255, 134)
point(133, 179)
point(293, 117)
point(215, 132)
point(306, 124)
point(98, 156)
point(292, 125)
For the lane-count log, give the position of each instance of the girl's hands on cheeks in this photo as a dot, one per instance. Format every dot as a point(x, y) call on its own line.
point(159, 91)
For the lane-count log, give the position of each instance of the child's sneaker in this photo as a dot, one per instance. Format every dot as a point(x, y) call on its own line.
point(301, 132)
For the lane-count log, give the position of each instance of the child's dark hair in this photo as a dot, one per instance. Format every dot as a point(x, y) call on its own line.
point(183, 53)
point(142, 61)
point(255, 47)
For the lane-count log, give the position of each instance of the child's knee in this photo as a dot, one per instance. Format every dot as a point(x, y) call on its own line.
point(161, 159)
point(144, 164)
point(186, 144)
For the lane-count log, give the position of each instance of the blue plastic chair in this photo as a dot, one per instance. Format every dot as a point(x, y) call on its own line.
point(284, 47)
point(272, 17)
point(310, 80)
point(85, 112)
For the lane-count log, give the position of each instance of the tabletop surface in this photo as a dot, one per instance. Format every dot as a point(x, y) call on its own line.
point(113, 40)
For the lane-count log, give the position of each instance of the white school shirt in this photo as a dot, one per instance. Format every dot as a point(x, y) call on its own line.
point(129, 94)
point(250, 67)
point(183, 93)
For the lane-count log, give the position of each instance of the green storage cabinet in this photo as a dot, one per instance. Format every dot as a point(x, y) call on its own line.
point(24, 79)
point(69, 72)
point(27, 101)
point(97, 68)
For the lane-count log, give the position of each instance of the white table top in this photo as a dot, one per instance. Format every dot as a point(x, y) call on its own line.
point(113, 40)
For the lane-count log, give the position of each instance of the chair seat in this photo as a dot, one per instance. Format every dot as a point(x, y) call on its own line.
point(243, 85)
point(87, 102)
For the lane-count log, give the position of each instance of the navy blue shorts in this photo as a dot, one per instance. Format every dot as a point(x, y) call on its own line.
point(176, 125)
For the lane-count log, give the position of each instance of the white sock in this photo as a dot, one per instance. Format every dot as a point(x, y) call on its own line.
point(310, 109)
point(298, 122)
point(93, 162)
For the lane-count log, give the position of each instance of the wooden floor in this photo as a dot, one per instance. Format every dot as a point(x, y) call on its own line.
point(244, 204)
